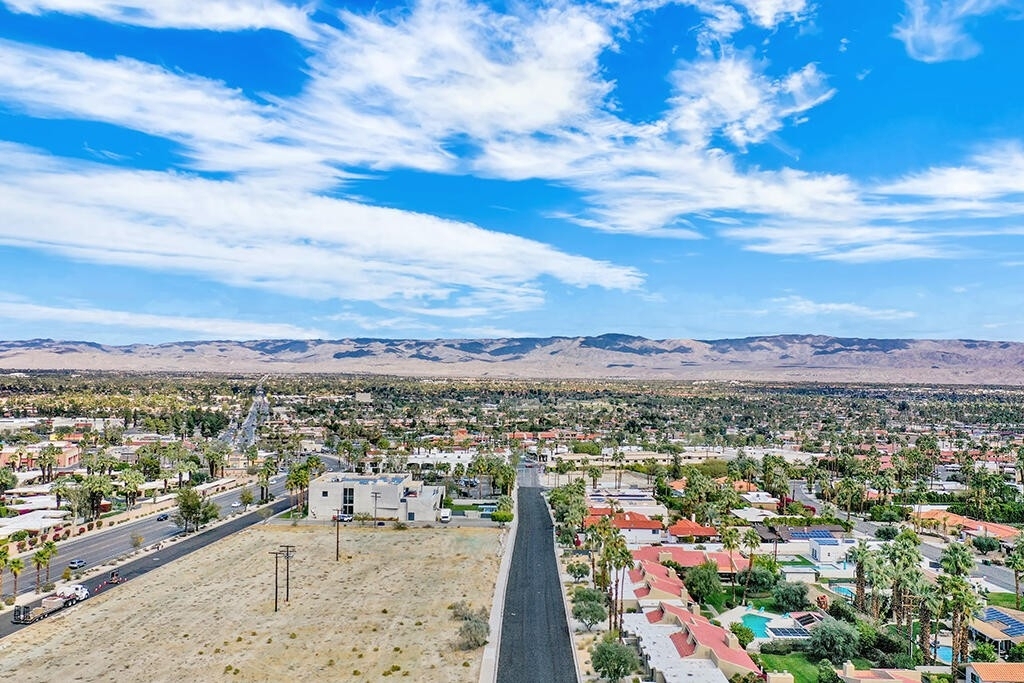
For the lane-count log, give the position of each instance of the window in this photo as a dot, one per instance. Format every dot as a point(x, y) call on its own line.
point(348, 498)
point(323, 494)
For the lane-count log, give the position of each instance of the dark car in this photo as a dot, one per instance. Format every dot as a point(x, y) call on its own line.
point(162, 517)
point(76, 564)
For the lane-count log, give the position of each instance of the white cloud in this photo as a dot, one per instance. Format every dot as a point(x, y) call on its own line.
point(771, 13)
point(799, 306)
point(213, 15)
point(256, 235)
point(203, 328)
point(935, 30)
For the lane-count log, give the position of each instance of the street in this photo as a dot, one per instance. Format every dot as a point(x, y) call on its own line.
point(535, 640)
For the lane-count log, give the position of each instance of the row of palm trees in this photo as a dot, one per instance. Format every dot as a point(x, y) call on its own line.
point(42, 557)
point(890, 584)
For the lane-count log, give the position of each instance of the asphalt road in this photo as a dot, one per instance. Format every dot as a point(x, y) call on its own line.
point(99, 548)
point(157, 558)
point(535, 643)
point(997, 576)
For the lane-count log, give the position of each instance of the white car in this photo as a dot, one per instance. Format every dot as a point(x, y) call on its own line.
point(236, 504)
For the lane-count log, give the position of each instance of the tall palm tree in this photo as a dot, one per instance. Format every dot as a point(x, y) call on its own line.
point(50, 548)
point(961, 601)
point(929, 609)
point(5, 561)
point(879, 575)
point(38, 561)
point(620, 560)
point(904, 556)
point(751, 541)
point(1015, 563)
point(15, 567)
point(860, 555)
point(957, 560)
point(731, 543)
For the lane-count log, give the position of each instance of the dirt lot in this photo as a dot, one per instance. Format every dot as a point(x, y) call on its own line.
point(210, 616)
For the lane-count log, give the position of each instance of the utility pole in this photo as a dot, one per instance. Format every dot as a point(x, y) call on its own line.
point(287, 551)
point(277, 556)
point(337, 534)
point(376, 495)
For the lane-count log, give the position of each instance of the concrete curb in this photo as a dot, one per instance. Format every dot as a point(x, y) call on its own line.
point(489, 666)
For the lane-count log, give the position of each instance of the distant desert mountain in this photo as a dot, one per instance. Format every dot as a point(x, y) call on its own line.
point(781, 358)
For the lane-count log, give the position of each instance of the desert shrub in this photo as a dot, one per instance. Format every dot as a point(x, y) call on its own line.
point(473, 633)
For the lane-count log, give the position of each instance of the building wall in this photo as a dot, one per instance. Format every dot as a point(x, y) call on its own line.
point(397, 497)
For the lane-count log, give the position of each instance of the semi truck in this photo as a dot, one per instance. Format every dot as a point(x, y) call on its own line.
point(68, 596)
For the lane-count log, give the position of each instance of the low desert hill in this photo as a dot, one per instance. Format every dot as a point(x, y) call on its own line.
point(609, 356)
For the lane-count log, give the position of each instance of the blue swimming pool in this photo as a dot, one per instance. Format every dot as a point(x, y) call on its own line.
point(845, 591)
point(757, 624)
point(944, 653)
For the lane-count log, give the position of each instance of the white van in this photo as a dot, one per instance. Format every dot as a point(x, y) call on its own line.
point(444, 515)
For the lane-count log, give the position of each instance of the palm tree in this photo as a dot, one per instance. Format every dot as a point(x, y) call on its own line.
point(961, 602)
point(860, 555)
point(16, 566)
point(929, 609)
point(879, 574)
point(620, 560)
point(50, 548)
point(957, 560)
point(131, 481)
point(1015, 563)
point(904, 556)
point(731, 543)
point(751, 541)
point(594, 472)
point(38, 561)
point(5, 561)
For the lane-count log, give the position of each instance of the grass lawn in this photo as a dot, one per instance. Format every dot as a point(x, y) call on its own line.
point(1002, 600)
point(803, 670)
point(718, 600)
point(768, 602)
point(799, 561)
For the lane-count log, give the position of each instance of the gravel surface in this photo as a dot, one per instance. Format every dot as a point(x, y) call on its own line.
point(535, 643)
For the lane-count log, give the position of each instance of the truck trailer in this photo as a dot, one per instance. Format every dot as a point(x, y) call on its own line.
point(68, 596)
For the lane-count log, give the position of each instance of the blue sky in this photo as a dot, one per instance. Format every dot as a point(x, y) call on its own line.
point(173, 169)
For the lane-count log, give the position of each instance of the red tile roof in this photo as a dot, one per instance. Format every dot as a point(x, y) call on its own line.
point(692, 558)
point(685, 527)
point(626, 520)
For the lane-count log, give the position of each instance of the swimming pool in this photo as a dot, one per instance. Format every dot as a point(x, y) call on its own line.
point(845, 591)
point(944, 653)
point(757, 624)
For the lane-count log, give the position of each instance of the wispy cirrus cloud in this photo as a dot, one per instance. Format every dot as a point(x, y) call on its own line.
point(937, 30)
point(800, 306)
point(211, 15)
point(198, 327)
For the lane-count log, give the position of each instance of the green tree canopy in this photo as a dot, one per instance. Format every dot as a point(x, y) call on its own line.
point(613, 660)
point(702, 581)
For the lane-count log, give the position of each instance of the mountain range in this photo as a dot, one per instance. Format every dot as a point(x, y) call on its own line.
point(608, 356)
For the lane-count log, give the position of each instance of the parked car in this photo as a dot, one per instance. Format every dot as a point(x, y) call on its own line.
point(236, 504)
point(76, 564)
point(162, 517)
point(344, 518)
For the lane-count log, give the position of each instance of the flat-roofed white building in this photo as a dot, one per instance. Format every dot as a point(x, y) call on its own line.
point(390, 496)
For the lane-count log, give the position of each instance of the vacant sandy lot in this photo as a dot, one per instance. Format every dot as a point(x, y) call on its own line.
point(210, 616)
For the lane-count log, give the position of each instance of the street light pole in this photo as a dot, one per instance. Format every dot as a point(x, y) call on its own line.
point(376, 495)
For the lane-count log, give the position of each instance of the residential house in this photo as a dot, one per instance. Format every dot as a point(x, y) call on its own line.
point(687, 557)
point(687, 529)
point(994, 672)
point(1001, 626)
point(830, 550)
point(636, 528)
point(761, 499)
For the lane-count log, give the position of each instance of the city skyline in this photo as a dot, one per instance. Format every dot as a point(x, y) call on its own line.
point(701, 169)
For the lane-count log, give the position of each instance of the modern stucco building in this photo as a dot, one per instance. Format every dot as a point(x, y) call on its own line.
point(387, 496)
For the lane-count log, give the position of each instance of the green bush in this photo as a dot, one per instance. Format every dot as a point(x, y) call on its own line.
point(790, 596)
point(886, 533)
point(833, 640)
point(742, 632)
